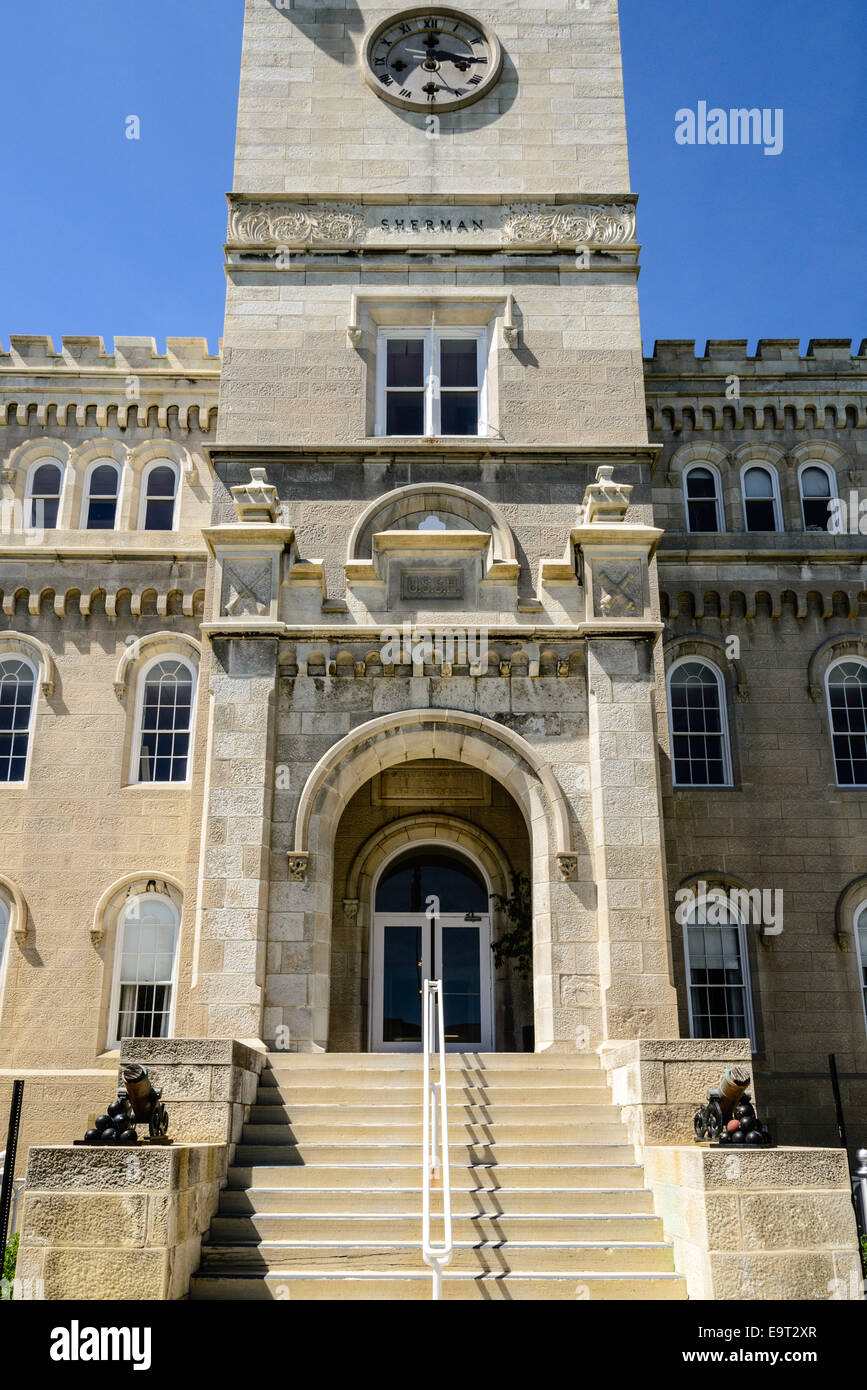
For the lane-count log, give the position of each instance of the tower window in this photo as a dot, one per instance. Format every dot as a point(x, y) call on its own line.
point(431, 382)
point(43, 496)
point(17, 690)
point(160, 487)
point(102, 498)
point(703, 506)
point(700, 752)
point(847, 707)
point(761, 502)
point(717, 971)
point(817, 489)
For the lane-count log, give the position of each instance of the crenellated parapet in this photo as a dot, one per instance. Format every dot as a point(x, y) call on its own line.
point(778, 388)
point(82, 385)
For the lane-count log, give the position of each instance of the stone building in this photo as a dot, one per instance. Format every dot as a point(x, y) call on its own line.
point(407, 596)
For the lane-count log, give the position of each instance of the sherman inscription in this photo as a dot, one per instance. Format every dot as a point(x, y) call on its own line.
point(431, 584)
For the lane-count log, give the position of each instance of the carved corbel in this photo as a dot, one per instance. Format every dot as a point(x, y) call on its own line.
point(298, 863)
point(350, 911)
point(567, 866)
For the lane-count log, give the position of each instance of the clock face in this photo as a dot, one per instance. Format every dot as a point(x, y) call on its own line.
point(431, 59)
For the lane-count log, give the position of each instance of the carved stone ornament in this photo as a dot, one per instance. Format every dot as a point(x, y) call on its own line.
point(284, 225)
point(247, 588)
point(606, 500)
point(567, 867)
point(350, 911)
point(586, 226)
point(298, 867)
point(256, 501)
point(618, 591)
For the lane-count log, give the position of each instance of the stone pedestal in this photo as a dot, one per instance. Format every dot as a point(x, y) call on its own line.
point(660, 1083)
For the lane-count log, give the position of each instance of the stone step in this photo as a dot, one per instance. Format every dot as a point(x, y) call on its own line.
point(280, 1113)
point(303, 1287)
point(531, 1093)
point(413, 1061)
point(482, 1177)
point(400, 1155)
point(330, 1201)
point(363, 1226)
point(371, 1077)
point(477, 1132)
point(486, 1257)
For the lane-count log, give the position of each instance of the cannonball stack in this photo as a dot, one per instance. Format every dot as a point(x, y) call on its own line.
point(115, 1127)
point(745, 1127)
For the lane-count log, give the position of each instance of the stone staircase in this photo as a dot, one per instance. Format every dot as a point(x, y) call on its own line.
point(324, 1200)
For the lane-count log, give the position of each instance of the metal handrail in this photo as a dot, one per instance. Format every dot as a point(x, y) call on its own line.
point(435, 1136)
point(17, 1189)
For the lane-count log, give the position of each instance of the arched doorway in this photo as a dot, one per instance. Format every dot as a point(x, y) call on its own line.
point(431, 920)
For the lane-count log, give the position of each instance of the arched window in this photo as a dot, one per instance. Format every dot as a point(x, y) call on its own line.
point(717, 970)
point(159, 496)
point(17, 703)
point(703, 505)
point(165, 720)
point(147, 934)
point(818, 486)
point(43, 496)
point(101, 500)
point(700, 754)
point(415, 876)
point(861, 940)
point(847, 708)
point(761, 500)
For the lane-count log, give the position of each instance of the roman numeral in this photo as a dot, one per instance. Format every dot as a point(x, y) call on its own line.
point(405, 92)
point(476, 42)
point(404, 28)
point(474, 81)
point(380, 62)
point(384, 79)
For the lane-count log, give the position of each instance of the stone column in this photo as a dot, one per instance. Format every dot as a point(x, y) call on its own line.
point(637, 994)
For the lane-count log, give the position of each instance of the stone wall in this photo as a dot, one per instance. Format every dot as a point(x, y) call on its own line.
point(106, 1224)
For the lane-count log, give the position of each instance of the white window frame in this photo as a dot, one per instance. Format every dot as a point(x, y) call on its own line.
point(143, 492)
point(861, 957)
point(840, 661)
point(85, 497)
point(724, 721)
point(430, 333)
point(775, 493)
point(834, 493)
point(9, 906)
point(113, 1042)
point(135, 752)
point(749, 1014)
point(19, 656)
point(28, 492)
point(720, 510)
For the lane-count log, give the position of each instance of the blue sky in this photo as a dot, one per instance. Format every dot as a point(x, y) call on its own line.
point(104, 235)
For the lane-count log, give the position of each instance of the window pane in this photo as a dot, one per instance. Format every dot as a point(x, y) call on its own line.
point(815, 483)
point(165, 723)
point(703, 516)
point(701, 500)
point(148, 933)
point(405, 413)
point(817, 514)
point(717, 981)
point(412, 878)
point(761, 515)
point(46, 481)
point(459, 362)
point(847, 700)
point(462, 998)
point(161, 482)
point(100, 514)
point(401, 984)
point(405, 362)
point(159, 516)
point(758, 483)
point(459, 412)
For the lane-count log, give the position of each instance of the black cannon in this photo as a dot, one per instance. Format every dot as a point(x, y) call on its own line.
point(729, 1117)
point(138, 1102)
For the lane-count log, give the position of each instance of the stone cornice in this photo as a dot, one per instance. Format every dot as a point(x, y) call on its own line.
point(384, 451)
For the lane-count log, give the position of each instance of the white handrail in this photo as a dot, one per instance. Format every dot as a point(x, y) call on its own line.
point(435, 1136)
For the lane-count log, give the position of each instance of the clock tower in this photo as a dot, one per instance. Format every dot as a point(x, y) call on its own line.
point(432, 424)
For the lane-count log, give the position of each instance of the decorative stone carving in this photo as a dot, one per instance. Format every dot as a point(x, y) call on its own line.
point(247, 588)
point(618, 591)
point(256, 501)
point(606, 500)
point(350, 911)
point(567, 867)
point(298, 866)
point(588, 226)
point(415, 584)
point(286, 225)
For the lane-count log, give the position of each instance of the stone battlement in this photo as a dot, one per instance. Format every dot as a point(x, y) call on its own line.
point(724, 353)
point(182, 356)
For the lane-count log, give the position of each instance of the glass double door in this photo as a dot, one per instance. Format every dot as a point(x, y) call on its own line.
point(409, 948)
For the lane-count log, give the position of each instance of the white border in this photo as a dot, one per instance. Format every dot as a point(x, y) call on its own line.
point(727, 752)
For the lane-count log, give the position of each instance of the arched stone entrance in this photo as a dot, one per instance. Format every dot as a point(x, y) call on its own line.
point(467, 739)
